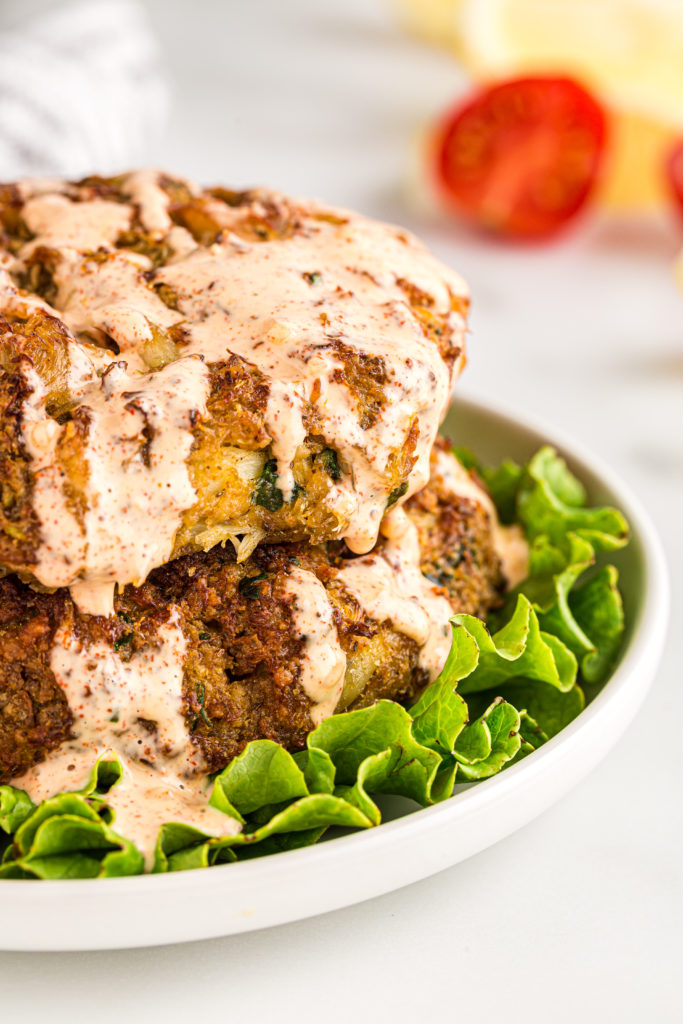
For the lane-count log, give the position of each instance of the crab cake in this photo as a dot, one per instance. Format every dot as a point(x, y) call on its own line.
point(181, 367)
point(267, 647)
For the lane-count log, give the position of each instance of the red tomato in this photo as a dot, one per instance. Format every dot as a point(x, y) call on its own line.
point(674, 167)
point(521, 157)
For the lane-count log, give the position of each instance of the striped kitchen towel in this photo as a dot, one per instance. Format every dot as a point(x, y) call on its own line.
point(81, 90)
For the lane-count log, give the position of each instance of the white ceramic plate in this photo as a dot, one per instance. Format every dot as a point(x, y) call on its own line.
point(151, 910)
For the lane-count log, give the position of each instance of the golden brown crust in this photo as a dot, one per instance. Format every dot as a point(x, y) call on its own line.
point(34, 714)
point(457, 545)
point(19, 527)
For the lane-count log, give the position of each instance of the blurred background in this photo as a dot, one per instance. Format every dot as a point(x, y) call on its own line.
point(342, 100)
point(346, 100)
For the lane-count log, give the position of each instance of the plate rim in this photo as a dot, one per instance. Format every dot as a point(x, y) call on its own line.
point(625, 691)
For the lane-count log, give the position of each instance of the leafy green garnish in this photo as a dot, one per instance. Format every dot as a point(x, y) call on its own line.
point(15, 808)
point(550, 501)
point(69, 835)
point(577, 600)
point(493, 739)
point(507, 687)
point(264, 773)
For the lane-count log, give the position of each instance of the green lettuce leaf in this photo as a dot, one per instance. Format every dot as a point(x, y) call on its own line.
point(180, 847)
point(519, 648)
point(598, 609)
point(65, 837)
point(576, 600)
point(486, 745)
point(318, 768)
point(441, 713)
point(263, 774)
point(550, 501)
point(406, 768)
point(549, 708)
point(531, 734)
point(503, 482)
point(15, 807)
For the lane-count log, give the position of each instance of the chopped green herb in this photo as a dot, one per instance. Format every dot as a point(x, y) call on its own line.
point(296, 491)
point(123, 641)
point(293, 558)
point(125, 618)
point(200, 691)
point(312, 277)
point(267, 493)
point(397, 493)
point(329, 461)
point(204, 636)
point(250, 586)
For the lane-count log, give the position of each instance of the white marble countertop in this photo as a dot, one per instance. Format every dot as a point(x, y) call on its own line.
point(580, 915)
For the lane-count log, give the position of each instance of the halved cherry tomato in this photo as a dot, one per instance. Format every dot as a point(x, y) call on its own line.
point(521, 157)
point(674, 168)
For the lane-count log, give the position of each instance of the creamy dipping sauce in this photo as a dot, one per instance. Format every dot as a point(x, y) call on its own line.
point(134, 709)
point(389, 585)
point(138, 441)
point(323, 662)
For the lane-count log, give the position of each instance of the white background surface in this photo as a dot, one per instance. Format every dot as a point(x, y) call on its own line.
point(580, 915)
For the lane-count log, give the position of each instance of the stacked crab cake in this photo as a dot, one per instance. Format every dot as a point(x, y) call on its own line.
point(218, 414)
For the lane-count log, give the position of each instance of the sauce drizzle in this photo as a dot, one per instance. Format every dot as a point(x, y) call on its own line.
point(133, 708)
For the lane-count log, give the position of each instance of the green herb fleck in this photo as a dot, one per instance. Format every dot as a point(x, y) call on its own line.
point(200, 691)
point(204, 636)
point(312, 277)
point(125, 618)
point(296, 491)
point(330, 463)
point(250, 586)
point(397, 493)
point(123, 641)
point(293, 558)
point(267, 493)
